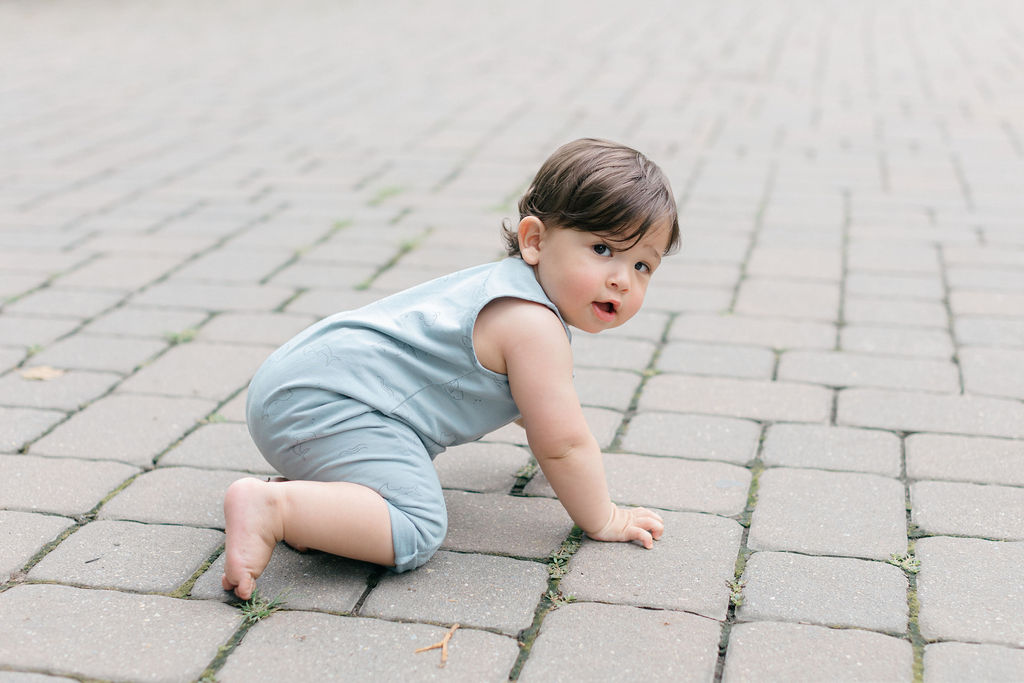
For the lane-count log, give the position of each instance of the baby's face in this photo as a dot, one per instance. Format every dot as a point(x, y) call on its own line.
point(597, 283)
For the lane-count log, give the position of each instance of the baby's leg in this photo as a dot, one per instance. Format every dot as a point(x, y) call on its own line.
point(340, 518)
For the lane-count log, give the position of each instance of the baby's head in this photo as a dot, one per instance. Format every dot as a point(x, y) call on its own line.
point(599, 186)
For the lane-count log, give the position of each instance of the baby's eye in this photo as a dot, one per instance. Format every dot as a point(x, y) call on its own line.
point(642, 267)
point(602, 249)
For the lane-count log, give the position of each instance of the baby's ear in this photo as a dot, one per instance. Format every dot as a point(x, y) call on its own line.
point(531, 230)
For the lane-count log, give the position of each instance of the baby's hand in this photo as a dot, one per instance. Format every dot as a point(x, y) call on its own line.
point(632, 524)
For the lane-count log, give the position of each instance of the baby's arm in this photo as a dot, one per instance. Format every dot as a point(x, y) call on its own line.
point(538, 362)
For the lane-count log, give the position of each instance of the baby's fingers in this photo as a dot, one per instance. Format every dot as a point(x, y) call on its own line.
point(649, 520)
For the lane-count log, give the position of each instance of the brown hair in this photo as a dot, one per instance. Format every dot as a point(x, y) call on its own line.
point(599, 186)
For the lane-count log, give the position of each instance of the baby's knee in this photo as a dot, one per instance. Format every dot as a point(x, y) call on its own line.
point(417, 535)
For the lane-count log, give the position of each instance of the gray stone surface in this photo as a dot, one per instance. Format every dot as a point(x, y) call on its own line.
point(829, 591)
point(770, 651)
point(139, 321)
point(754, 399)
point(132, 637)
point(770, 333)
point(305, 581)
point(62, 486)
point(717, 359)
point(173, 495)
point(67, 392)
point(311, 646)
point(956, 662)
point(19, 426)
point(993, 372)
point(126, 555)
point(843, 369)
point(23, 534)
point(609, 352)
point(481, 467)
point(587, 641)
point(199, 369)
point(963, 458)
point(668, 483)
point(688, 569)
point(897, 341)
point(920, 412)
point(495, 593)
point(221, 446)
point(788, 299)
point(829, 513)
point(941, 507)
point(132, 429)
point(272, 329)
point(832, 448)
point(697, 437)
point(606, 388)
point(100, 352)
point(65, 303)
point(504, 525)
point(971, 590)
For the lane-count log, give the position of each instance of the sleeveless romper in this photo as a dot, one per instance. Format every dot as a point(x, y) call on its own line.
point(370, 396)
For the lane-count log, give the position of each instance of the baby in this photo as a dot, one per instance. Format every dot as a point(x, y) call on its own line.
point(353, 410)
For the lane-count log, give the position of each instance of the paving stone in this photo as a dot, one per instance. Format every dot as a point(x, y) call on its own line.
point(920, 412)
point(30, 331)
point(965, 458)
point(993, 372)
point(956, 662)
point(689, 299)
point(496, 593)
point(10, 358)
point(232, 263)
point(505, 525)
point(137, 321)
point(737, 329)
point(21, 677)
point(133, 429)
point(19, 426)
point(800, 263)
point(646, 324)
point(223, 446)
point(696, 437)
point(971, 590)
point(57, 485)
point(890, 258)
point(894, 312)
point(688, 569)
point(595, 642)
point(992, 277)
point(999, 332)
point(130, 637)
point(843, 369)
point(829, 591)
point(129, 556)
point(321, 302)
point(273, 329)
point(120, 272)
point(769, 651)
point(677, 271)
point(941, 507)
point(61, 302)
point(606, 388)
point(23, 534)
point(992, 302)
point(668, 483)
point(771, 297)
point(199, 369)
point(611, 352)
point(173, 495)
point(895, 341)
point(95, 352)
point(832, 448)
point(310, 275)
point(753, 399)
point(66, 392)
point(481, 467)
point(829, 513)
point(921, 287)
point(722, 360)
point(306, 581)
point(307, 645)
point(214, 297)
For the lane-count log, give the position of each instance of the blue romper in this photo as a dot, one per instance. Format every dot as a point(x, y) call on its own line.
point(370, 396)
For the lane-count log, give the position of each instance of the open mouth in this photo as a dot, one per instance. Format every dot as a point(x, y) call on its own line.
point(605, 310)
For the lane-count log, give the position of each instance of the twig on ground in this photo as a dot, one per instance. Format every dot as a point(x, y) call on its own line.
point(443, 644)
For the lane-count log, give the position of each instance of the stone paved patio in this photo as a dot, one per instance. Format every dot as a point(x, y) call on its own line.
point(824, 393)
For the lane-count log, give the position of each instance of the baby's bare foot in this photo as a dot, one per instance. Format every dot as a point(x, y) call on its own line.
point(252, 526)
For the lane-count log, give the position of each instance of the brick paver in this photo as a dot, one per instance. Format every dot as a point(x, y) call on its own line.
point(826, 375)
